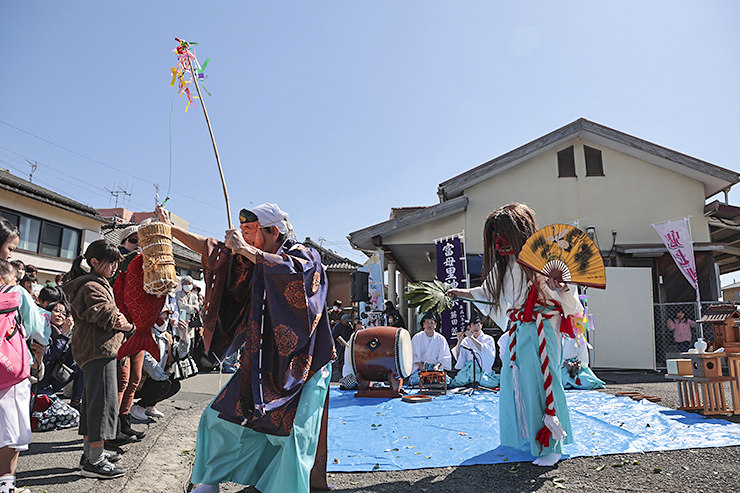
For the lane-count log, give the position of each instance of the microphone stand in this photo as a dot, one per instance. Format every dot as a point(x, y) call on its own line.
point(474, 385)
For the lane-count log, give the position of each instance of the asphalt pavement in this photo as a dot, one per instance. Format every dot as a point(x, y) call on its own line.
point(160, 462)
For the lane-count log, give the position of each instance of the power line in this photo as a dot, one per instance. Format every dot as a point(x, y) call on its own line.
point(95, 192)
point(71, 195)
point(189, 197)
point(341, 246)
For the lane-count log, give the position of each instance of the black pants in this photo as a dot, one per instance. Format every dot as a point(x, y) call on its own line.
point(153, 391)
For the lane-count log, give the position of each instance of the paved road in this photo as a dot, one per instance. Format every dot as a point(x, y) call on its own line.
point(159, 463)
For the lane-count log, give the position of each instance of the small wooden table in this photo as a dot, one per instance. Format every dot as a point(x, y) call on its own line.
point(712, 398)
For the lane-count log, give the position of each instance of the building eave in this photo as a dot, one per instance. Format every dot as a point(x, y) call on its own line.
point(370, 238)
point(714, 178)
point(18, 186)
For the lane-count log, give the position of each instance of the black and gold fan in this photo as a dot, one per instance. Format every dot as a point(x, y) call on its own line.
point(565, 253)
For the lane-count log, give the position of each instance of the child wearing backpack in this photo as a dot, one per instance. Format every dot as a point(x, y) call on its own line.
point(19, 320)
point(98, 335)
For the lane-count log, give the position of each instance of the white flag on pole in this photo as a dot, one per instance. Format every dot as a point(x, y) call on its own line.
point(677, 238)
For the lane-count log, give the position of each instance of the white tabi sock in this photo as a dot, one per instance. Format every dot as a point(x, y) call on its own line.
point(547, 460)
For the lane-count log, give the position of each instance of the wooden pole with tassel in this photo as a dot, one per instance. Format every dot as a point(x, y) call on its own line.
point(213, 141)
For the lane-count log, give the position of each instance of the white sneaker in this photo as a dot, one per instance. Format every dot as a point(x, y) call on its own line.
point(138, 412)
point(154, 412)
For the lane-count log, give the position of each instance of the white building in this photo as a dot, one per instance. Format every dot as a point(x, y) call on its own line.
point(54, 229)
point(612, 183)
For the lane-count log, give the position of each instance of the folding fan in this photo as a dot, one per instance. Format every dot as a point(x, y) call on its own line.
point(565, 253)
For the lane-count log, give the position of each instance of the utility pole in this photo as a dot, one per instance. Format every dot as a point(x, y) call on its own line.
point(34, 167)
point(116, 194)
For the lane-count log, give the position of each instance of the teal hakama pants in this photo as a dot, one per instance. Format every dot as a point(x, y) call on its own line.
point(531, 383)
point(273, 464)
point(465, 376)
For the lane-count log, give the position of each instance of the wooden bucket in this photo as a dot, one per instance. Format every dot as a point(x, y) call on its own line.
point(155, 240)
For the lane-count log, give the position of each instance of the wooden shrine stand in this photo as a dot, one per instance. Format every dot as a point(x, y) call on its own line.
point(704, 389)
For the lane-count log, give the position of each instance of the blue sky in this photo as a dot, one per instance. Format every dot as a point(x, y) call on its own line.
point(339, 111)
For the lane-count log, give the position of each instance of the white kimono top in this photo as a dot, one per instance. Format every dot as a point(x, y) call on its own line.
point(431, 350)
point(515, 291)
point(486, 355)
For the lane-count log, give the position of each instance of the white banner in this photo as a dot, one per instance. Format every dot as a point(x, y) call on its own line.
point(676, 236)
point(373, 309)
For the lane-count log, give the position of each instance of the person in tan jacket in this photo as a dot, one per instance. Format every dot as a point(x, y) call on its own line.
point(98, 335)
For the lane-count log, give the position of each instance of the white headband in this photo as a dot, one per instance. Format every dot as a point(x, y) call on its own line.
point(271, 215)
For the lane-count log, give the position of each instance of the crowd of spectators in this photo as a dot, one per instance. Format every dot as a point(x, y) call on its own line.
point(70, 329)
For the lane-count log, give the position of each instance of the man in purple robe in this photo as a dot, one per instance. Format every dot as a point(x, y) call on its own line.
point(267, 292)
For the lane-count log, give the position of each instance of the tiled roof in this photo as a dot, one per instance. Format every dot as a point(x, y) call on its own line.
point(716, 317)
point(332, 258)
point(718, 313)
point(399, 212)
point(12, 183)
point(342, 266)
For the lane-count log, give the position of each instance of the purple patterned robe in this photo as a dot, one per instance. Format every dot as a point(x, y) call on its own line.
point(282, 322)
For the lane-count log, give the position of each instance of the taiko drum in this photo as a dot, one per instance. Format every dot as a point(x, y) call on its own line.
point(377, 351)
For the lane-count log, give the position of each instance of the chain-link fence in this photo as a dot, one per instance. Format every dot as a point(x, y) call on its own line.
point(669, 343)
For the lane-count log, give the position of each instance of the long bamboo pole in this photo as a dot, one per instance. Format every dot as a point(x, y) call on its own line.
point(213, 141)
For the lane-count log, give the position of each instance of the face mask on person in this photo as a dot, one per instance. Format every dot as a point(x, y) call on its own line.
point(161, 325)
point(187, 287)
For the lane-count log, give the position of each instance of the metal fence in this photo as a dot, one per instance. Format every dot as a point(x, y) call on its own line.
point(666, 346)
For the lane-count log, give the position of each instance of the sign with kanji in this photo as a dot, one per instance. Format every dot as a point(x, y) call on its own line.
point(676, 236)
point(451, 269)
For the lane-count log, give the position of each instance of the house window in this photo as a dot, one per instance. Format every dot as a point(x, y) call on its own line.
point(13, 218)
point(566, 163)
point(30, 232)
point(44, 237)
point(594, 163)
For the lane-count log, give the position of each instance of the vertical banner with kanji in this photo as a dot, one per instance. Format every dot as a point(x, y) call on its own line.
point(677, 238)
point(451, 269)
point(370, 312)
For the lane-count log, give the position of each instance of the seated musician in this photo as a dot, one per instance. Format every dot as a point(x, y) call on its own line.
point(430, 349)
point(474, 347)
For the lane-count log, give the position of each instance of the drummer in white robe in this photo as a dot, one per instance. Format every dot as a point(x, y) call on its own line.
point(474, 342)
point(430, 349)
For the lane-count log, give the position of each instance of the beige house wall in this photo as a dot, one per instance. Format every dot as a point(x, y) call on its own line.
point(732, 295)
point(630, 196)
point(50, 266)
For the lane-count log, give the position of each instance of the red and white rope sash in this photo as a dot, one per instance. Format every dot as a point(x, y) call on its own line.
point(552, 424)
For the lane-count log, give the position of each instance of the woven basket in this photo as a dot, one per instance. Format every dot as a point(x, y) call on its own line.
point(155, 240)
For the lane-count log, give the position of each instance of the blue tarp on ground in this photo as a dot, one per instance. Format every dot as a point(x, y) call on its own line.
point(389, 434)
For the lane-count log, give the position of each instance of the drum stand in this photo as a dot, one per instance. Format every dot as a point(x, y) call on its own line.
point(394, 392)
